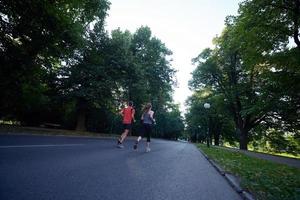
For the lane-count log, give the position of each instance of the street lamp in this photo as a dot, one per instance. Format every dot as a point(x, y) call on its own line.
point(207, 106)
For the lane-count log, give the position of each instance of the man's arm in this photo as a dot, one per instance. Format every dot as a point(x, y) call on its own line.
point(132, 115)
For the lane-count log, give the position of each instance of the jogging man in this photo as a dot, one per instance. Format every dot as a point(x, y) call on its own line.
point(128, 119)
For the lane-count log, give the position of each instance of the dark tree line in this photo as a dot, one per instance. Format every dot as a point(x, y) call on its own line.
point(59, 65)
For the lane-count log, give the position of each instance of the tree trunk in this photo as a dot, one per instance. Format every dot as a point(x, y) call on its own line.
point(243, 139)
point(217, 133)
point(296, 23)
point(81, 115)
point(217, 139)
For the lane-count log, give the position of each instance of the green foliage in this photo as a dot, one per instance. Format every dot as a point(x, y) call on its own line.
point(216, 119)
point(34, 37)
point(276, 141)
point(169, 123)
point(255, 67)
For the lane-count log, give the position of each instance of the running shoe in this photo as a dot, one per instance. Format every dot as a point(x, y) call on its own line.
point(148, 149)
point(135, 146)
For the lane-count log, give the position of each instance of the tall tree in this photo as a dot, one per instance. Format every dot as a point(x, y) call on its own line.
point(32, 47)
point(249, 60)
point(90, 80)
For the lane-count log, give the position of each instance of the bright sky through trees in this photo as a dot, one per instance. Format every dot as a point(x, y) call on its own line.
point(186, 27)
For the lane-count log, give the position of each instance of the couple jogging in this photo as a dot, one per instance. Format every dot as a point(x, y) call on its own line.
point(147, 121)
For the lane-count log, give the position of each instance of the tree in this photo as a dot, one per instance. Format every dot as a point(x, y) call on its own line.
point(151, 57)
point(271, 23)
point(274, 35)
point(217, 120)
point(117, 68)
point(91, 81)
point(169, 122)
point(248, 64)
point(31, 49)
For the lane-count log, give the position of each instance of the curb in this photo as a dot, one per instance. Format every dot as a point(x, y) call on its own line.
point(231, 179)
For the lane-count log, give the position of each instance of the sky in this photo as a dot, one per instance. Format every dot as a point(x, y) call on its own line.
point(185, 26)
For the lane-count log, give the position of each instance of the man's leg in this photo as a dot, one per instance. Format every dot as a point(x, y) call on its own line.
point(124, 135)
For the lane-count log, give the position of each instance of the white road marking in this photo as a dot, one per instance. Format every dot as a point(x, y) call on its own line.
point(40, 145)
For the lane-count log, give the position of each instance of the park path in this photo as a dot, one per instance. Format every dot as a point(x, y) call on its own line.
point(293, 162)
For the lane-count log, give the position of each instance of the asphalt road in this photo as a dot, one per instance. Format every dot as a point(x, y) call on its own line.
point(42, 168)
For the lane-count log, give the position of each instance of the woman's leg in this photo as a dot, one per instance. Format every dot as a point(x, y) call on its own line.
point(136, 142)
point(148, 134)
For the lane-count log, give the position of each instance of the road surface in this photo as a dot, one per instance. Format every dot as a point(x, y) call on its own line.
point(70, 168)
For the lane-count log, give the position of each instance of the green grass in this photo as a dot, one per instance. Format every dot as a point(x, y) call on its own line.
point(9, 129)
point(264, 179)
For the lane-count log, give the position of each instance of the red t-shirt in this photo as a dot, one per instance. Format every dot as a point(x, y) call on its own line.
point(127, 115)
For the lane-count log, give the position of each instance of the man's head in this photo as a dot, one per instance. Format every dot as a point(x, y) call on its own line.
point(130, 103)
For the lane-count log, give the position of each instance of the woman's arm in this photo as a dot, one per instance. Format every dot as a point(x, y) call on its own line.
point(151, 113)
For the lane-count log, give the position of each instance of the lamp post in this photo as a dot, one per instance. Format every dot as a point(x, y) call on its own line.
point(198, 133)
point(207, 106)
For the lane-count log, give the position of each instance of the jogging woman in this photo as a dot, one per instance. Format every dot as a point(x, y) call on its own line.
point(147, 122)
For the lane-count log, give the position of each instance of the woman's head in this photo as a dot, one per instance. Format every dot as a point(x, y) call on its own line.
point(147, 107)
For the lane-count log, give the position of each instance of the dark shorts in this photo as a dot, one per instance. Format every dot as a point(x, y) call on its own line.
point(127, 126)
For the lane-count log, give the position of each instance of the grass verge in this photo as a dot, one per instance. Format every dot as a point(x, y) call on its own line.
point(7, 129)
point(264, 179)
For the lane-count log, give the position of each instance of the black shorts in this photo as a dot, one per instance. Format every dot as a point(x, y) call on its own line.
point(127, 126)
